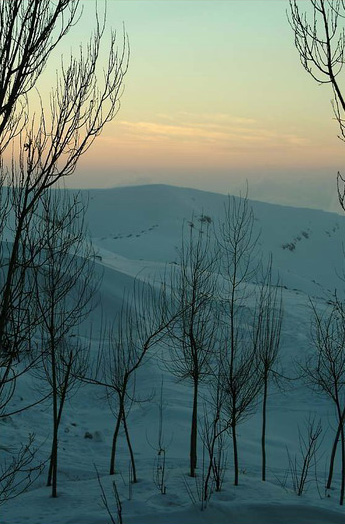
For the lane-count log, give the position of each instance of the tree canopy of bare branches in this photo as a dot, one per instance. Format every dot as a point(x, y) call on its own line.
point(192, 336)
point(325, 369)
point(64, 289)
point(319, 31)
point(239, 364)
point(45, 146)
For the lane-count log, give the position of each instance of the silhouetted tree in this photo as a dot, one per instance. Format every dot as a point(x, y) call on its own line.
point(318, 26)
point(214, 433)
point(325, 368)
point(140, 325)
point(267, 330)
point(46, 147)
point(192, 335)
point(241, 378)
point(64, 288)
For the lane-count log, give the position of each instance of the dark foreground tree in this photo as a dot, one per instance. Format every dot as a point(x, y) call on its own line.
point(18, 470)
point(214, 434)
point(192, 336)
point(29, 32)
point(64, 289)
point(325, 369)
point(318, 27)
point(240, 365)
point(46, 146)
point(267, 330)
point(320, 40)
point(125, 347)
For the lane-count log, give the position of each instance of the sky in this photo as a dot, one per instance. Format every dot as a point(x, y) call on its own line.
point(215, 96)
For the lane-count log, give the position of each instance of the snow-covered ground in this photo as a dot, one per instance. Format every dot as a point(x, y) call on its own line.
point(136, 231)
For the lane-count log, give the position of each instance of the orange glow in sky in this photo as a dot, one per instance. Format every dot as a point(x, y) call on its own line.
point(215, 93)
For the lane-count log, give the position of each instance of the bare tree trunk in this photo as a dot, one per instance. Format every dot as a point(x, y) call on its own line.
point(342, 439)
point(6, 295)
point(124, 420)
point(52, 474)
point(53, 456)
point(191, 337)
point(49, 479)
point(55, 414)
point(334, 450)
point(237, 242)
point(331, 464)
point(51, 463)
point(54, 482)
point(194, 430)
point(114, 442)
point(54, 459)
point(235, 450)
point(212, 464)
point(209, 470)
point(263, 434)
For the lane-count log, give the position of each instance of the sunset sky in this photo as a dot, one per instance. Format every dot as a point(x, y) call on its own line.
point(215, 94)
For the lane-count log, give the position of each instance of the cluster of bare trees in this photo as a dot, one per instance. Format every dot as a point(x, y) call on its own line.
point(45, 258)
point(224, 339)
point(125, 346)
point(218, 314)
point(215, 321)
point(46, 285)
point(192, 337)
point(222, 311)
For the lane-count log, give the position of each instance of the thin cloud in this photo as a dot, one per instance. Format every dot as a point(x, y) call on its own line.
point(221, 129)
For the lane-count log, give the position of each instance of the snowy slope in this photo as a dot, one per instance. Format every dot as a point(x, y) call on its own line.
point(144, 223)
point(136, 231)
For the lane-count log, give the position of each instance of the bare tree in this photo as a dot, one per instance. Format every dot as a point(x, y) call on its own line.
point(80, 106)
point(17, 473)
point(325, 369)
point(29, 32)
point(267, 330)
point(214, 432)
point(339, 307)
point(320, 42)
point(309, 445)
point(50, 149)
point(159, 468)
point(192, 336)
point(240, 362)
point(46, 147)
point(64, 286)
point(140, 325)
point(106, 503)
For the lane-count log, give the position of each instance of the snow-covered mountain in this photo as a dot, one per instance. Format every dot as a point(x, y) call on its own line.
point(144, 224)
point(136, 230)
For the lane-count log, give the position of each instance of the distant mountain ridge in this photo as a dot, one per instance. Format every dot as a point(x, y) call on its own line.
point(145, 223)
